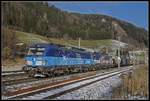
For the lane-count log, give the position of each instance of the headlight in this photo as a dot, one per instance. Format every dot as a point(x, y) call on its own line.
point(38, 63)
point(29, 62)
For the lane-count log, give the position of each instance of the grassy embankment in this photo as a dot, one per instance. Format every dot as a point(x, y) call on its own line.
point(34, 38)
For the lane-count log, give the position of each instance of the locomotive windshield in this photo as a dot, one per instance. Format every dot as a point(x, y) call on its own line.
point(36, 51)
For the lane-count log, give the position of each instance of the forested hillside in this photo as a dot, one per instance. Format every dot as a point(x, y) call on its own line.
point(47, 20)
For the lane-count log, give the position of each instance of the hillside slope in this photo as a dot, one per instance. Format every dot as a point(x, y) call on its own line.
point(47, 20)
point(31, 38)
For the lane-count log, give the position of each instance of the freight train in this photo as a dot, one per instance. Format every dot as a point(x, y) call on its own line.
point(53, 59)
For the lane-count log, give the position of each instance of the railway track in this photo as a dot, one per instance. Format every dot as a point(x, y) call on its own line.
point(56, 89)
point(14, 77)
point(12, 73)
point(14, 85)
point(18, 80)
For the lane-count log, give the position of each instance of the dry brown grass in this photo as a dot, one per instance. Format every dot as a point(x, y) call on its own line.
point(12, 65)
point(11, 62)
point(139, 81)
point(134, 84)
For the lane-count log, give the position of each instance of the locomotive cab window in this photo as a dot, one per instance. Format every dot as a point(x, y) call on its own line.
point(36, 51)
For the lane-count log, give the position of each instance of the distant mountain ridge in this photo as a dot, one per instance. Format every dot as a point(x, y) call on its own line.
point(47, 20)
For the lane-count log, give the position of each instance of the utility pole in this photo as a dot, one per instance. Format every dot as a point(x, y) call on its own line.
point(134, 59)
point(145, 51)
point(119, 53)
point(79, 42)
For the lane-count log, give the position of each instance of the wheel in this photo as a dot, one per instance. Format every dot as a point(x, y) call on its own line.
point(31, 73)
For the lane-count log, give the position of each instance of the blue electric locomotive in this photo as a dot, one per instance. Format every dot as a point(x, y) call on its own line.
point(51, 59)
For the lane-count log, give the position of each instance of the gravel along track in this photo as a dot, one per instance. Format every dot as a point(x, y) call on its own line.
point(54, 91)
point(98, 90)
